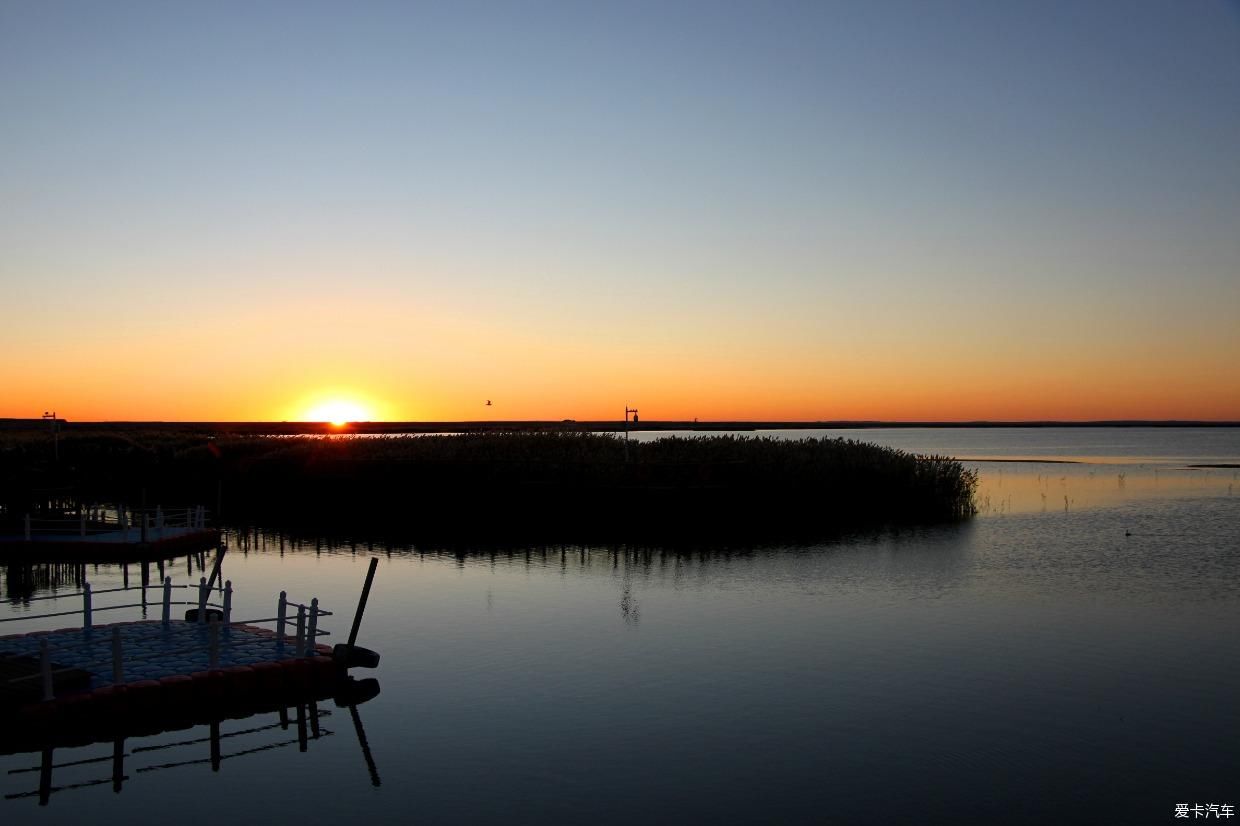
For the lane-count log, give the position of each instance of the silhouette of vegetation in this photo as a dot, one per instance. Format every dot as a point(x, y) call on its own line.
point(541, 485)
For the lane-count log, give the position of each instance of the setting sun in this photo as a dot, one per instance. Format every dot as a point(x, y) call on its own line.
point(338, 412)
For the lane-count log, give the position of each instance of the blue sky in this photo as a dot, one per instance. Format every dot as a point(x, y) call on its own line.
point(806, 178)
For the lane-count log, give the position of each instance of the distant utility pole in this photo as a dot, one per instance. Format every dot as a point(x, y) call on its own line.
point(55, 433)
point(627, 411)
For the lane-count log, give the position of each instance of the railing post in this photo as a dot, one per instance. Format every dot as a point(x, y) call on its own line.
point(167, 600)
point(227, 604)
point(202, 599)
point(281, 614)
point(45, 668)
point(82, 524)
point(27, 527)
point(213, 637)
point(312, 632)
point(122, 522)
point(118, 666)
point(300, 650)
point(86, 623)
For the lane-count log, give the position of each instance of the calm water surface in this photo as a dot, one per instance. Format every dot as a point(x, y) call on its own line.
point(1068, 655)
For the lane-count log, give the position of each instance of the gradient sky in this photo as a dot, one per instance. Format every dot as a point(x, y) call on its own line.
point(879, 210)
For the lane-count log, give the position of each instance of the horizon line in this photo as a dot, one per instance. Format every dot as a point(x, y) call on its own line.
point(613, 424)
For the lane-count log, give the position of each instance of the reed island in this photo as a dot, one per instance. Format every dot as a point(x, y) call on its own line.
point(498, 486)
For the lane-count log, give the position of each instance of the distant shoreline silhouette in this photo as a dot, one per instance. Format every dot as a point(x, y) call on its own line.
point(576, 426)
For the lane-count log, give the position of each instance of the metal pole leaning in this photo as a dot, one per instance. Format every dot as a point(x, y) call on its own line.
point(86, 623)
point(167, 600)
point(361, 603)
point(217, 567)
point(202, 599)
point(312, 632)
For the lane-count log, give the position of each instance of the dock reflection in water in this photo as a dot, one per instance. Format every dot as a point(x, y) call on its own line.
point(25, 580)
point(205, 744)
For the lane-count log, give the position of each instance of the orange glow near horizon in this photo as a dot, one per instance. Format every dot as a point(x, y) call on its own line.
point(336, 405)
point(371, 355)
point(339, 412)
point(666, 392)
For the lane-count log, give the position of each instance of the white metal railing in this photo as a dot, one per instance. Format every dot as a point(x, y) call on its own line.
point(307, 630)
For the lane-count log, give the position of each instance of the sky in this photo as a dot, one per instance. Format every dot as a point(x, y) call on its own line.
point(767, 210)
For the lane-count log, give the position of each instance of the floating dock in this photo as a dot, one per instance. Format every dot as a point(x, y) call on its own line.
point(111, 533)
point(112, 547)
point(152, 652)
point(93, 675)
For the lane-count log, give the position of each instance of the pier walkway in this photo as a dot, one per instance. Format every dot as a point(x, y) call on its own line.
point(153, 651)
point(146, 663)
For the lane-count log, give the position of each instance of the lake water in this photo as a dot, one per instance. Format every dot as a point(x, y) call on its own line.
point(1068, 655)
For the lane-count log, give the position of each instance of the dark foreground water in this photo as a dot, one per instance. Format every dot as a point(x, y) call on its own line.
point(1069, 655)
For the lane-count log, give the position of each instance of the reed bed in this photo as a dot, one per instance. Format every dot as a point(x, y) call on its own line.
point(522, 485)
